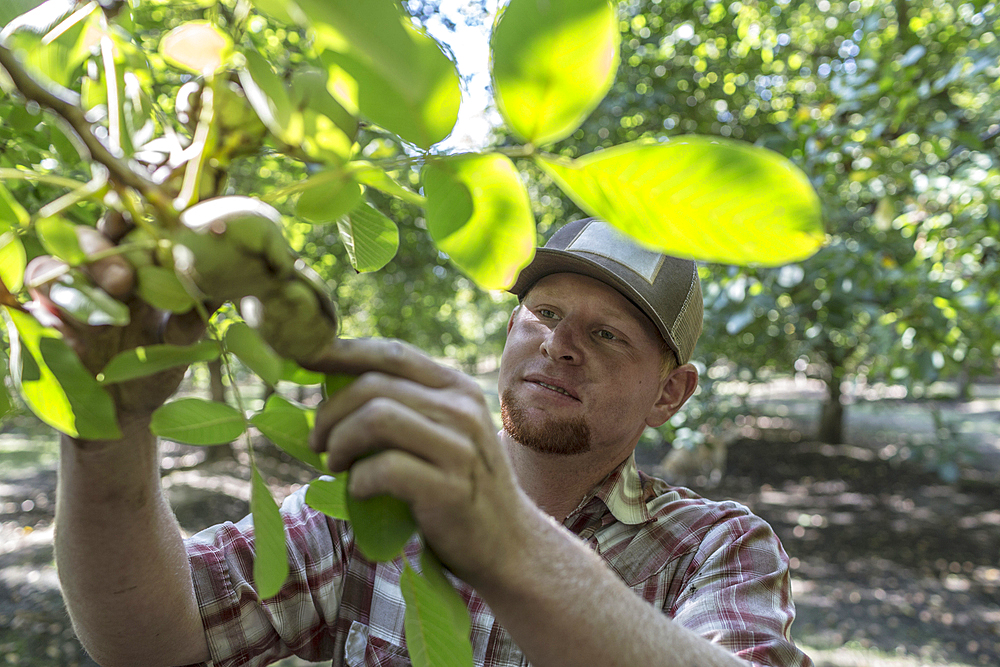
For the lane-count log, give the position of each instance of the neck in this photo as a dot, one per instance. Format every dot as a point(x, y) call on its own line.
point(555, 482)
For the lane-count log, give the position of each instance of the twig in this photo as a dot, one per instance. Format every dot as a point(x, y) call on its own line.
point(64, 104)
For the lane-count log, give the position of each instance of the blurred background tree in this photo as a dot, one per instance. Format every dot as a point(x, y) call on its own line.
point(892, 109)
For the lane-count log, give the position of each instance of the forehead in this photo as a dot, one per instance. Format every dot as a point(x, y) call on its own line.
point(577, 289)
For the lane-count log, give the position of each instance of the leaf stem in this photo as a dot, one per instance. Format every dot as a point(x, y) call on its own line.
point(8, 174)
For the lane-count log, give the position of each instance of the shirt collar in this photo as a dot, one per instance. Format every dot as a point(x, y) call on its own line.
point(621, 492)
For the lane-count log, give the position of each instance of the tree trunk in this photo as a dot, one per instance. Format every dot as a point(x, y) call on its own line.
point(831, 423)
point(217, 390)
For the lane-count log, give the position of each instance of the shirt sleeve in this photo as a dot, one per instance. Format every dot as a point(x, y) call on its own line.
point(241, 628)
point(739, 593)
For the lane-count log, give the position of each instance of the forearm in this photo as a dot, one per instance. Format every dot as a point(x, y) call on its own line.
point(565, 607)
point(121, 560)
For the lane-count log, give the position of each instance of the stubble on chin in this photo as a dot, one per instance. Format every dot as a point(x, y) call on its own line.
point(550, 436)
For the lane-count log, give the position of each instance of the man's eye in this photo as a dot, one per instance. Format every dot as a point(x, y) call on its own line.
point(546, 313)
point(607, 335)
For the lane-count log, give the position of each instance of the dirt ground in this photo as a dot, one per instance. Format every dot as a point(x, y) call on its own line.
point(892, 567)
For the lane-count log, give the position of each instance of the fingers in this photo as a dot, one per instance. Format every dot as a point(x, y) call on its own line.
point(383, 423)
point(383, 355)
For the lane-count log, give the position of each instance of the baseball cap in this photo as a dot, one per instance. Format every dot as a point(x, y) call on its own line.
point(665, 288)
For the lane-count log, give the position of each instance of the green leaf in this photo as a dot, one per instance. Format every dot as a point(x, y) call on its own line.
point(436, 619)
point(287, 425)
point(12, 8)
point(397, 76)
point(12, 261)
point(250, 348)
point(329, 496)
point(706, 198)
point(334, 382)
point(52, 41)
point(382, 526)
point(309, 91)
point(151, 359)
point(86, 303)
point(5, 403)
point(160, 288)
point(292, 372)
point(270, 567)
point(266, 93)
point(12, 214)
point(327, 196)
point(479, 213)
point(58, 236)
point(195, 421)
point(198, 47)
point(553, 62)
point(370, 237)
point(368, 174)
point(54, 383)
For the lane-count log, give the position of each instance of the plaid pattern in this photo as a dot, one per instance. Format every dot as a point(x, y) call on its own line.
point(712, 566)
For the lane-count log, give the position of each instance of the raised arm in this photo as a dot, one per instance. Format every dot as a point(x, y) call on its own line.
point(121, 562)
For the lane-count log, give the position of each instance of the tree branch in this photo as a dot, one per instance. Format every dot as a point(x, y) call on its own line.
point(64, 103)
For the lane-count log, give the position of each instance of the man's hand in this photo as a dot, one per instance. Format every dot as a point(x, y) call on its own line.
point(96, 345)
point(432, 443)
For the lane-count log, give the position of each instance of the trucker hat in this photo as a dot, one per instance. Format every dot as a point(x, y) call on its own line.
point(665, 288)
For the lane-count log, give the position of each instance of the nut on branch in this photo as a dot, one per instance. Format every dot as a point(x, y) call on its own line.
point(232, 248)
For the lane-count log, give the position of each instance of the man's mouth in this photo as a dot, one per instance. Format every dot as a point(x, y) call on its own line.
point(558, 390)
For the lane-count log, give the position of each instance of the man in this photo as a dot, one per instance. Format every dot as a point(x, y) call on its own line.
point(546, 525)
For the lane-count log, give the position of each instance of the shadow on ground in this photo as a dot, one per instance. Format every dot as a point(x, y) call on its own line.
point(891, 567)
point(886, 558)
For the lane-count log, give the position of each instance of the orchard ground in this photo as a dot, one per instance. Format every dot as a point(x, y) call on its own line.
point(896, 558)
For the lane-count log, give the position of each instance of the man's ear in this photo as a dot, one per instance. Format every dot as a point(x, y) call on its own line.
point(675, 390)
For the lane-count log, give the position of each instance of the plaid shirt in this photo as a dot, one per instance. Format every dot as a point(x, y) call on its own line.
point(711, 566)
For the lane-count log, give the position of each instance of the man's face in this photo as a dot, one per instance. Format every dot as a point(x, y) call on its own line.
point(581, 369)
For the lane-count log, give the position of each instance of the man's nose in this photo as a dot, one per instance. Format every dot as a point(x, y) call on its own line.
point(563, 343)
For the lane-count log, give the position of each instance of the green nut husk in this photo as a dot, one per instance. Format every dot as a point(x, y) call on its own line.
point(232, 248)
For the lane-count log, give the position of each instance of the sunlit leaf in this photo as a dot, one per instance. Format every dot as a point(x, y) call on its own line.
point(54, 383)
point(334, 382)
point(250, 348)
point(270, 567)
point(706, 198)
point(436, 619)
point(479, 213)
point(309, 91)
point(329, 496)
point(382, 526)
point(266, 93)
point(370, 237)
point(159, 287)
point(151, 359)
point(53, 40)
point(58, 236)
point(327, 196)
point(285, 11)
point(12, 214)
point(400, 78)
point(370, 175)
point(196, 421)
point(12, 261)
point(86, 303)
point(12, 8)
point(553, 62)
point(287, 425)
point(197, 46)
